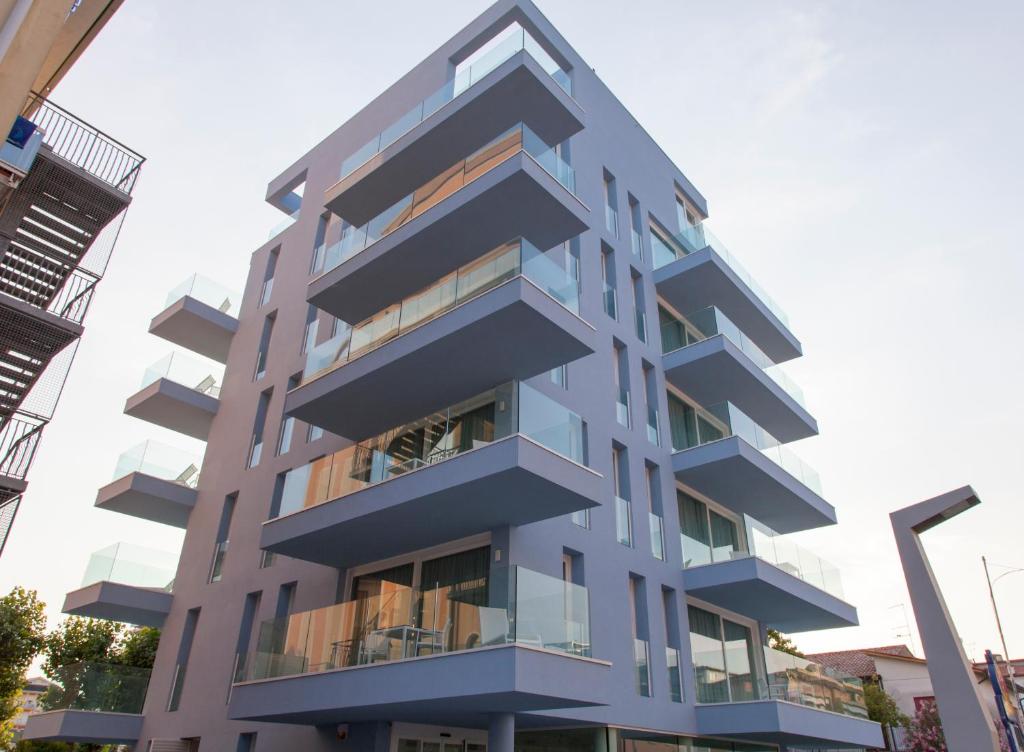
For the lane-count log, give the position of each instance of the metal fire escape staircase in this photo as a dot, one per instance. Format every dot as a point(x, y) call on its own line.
point(57, 231)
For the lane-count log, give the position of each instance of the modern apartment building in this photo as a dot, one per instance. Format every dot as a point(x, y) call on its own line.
point(64, 189)
point(497, 458)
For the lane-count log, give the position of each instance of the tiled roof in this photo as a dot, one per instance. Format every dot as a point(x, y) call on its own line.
point(859, 662)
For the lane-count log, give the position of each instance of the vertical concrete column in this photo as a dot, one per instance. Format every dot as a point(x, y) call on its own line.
point(965, 723)
point(501, 732)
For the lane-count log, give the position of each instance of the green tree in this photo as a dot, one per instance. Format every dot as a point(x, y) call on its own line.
point(780, 642)
point(79, 640)
point(882, 708)
point(22, 625)
point(138, 648)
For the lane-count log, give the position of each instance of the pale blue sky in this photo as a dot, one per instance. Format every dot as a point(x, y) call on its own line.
point(862, 159)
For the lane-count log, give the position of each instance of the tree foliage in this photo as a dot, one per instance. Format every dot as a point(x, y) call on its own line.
point(22, 630)
point(79, 640)
point(780, 642)
point(138, 647)
point(882, 708)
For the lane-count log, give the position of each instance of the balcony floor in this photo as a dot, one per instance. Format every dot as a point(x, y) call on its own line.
point(114, 601)
point(510, 482)
point(456, 689)
point(716, 370)
point(196, 326)
point(785, 723)
point(149, 498)
point(174, 406)
point(741, 478)
point(514, 331)
point(518, 198)
point(704, 279)
point(84, 727)
point(762, 591)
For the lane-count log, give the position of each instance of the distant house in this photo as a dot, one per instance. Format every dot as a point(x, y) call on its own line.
point(28, 702)
point(905, 677)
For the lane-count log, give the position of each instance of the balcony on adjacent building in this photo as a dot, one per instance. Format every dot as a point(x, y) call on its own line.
point(125, 583)
point(509, 456)
point(760, 574)
point(694, 270)
point(178, 393)
point(200, 315)
point(154, 482)
point(770, 697)
point(721, 453)
point(511, 314)
point(91, 703)
point(710, 359)
point(517, 185)
point(511, 641)
point(514, 81)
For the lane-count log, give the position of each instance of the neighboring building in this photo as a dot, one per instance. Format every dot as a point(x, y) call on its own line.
point(28, 702)
point(552, 522)
point(64, 189)
point(903, 676)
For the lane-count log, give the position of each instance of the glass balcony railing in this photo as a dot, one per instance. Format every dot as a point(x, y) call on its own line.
point(97, 687)
point(609, 298)
point(675, 679)
point(161, 461)
point(804, 682)
point(665, 250)
point(637, 242)
point(512, 605)
point(781, 552)
point(653, 426)
point(517, 139)
point(611, 220)
point(657, 529)
point(691, 427)
point(622, 407)
point(513, 408)
point(206, 291)
point(185, 371)
point(642, 666)
point(641, 325)
point(283, 225)
point(785, 677)
point(710, 322)
point(549, 271)
point(623, 521)
point(128, 564)
point(519, 40)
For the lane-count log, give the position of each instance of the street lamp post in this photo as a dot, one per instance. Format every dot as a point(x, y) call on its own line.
point(999, 626)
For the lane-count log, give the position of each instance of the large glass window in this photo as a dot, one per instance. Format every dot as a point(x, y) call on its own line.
point(723, 658)
point(691, 427)
point(706, 535)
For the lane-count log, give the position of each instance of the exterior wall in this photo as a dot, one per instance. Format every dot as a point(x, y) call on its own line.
point(610, 141)
point(904, 680)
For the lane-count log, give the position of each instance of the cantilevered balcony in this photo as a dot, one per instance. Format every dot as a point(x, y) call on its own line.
point(154, 482)
point(518, 641)
point(509, 456)
point(515, 186)
point(515, 82)
point(767, 577)
point(178, 393)
point(721, 453)
point(694, 270)
point(511, 314)
point(200, 315)
point(785, 700)
point(91, 703)
point(125, 583)
point(709, 358)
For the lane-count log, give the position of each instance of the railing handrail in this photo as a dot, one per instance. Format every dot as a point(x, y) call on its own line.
point(125, 161)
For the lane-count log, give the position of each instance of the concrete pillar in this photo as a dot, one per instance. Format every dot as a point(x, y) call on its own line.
point(501, 732)
point(28, 36)
point(965, 723)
